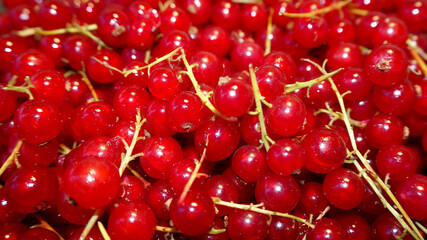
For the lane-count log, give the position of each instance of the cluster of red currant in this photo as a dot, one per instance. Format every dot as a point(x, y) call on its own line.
point(213, 119)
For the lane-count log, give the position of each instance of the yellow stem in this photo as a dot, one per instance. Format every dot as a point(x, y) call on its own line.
point(417, 57)
point(414, 231)
point(321, 11)
point(136, 174)
point(148, 66)
point(166, 229)
point(383, 200)
point(90, 224)
point(257, 95)
point(298, 85)
point(358, 11)
point(254, 208)
point(193, 176)
point(268, 33)
point(25, 88)
point(103, 231)
point(11, 157)
point(86, 80)
point(74, 29)
point(199, 92)
point(46, 225)
point(128, 157)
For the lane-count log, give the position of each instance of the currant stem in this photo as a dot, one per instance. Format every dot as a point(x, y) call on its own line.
point(193, 176)
point(90, 224)
point(136, 174)
point(413, 49)
point(128, 157)
point(166, 229)
point(246, 1)
point(158, 60)
point(322, 11)
point(86, 80)
point(103, 231)
point(138, 124)
point(414, 231)
point(253, 208)
point(298, 85)
point(358, 11)
point(268, 33)
point(25, 88)
point(338, 115)
point(107, 65)
point(424, 229)
point(46, 225)
point(258, 99)
point(174, 230)
point(72, 29)
point(374, 187)
point(11, 157)
point(323, 213)
point(64, 150)
point(205, 100)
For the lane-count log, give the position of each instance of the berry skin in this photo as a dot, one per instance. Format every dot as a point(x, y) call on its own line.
point(194, 215)
point(32, 189)
point(214, 135)
point(286, 116)
point(246, 225)
point(343, 188)
point(413, 196)
point(285, 157)
point(132, 221)
point(249, 163)
point(37, 121)
point(278, 193)
point(386, 65)
point(233, 98)
point(325, 150)
point(160, 153)
point(92, 183)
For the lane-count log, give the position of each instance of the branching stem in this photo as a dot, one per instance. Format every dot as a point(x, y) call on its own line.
point(265, 140)
point(11, 157)
point(128, 157)
point(103, 231)
point(322, 11)
point(413, 49)
point(148, 66)
point(298, 85)
point(90, 224)
point(269, 32)
point(253, 208)
point(193, 176)
point(205, 99)
point(370, 172)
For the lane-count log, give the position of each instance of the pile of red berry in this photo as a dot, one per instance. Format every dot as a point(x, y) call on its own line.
point(213, 119)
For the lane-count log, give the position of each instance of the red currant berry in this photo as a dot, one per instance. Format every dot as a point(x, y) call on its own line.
point(233, 98)
point(325, 150)
point(31, 189)
point(132, 221)
point(343, 188)
point(194, 215)
point(286, 157)
point(249, 163)
point(286, 116)
point(37, 121)
point(278, 193)
point(217, 134)
point(160, 153)
point(91, 182)
point(246, 225)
